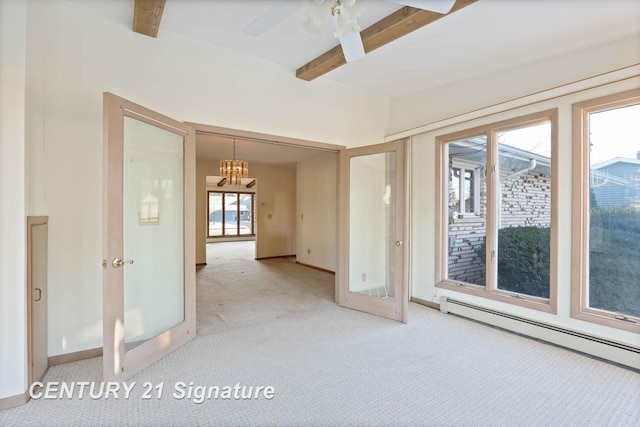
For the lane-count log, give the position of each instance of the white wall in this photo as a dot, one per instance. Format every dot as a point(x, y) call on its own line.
point(420, 108)
point(317, 211)
point(423, 212)
point(77, 55)
point(13, 363)
point(276, 211)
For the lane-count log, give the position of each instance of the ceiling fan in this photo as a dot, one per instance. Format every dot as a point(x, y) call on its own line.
point(342, 13)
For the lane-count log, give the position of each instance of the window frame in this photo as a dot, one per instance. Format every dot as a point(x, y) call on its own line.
point(475, 170)
point(580, 209)
point(490, 290)
point(237, 194)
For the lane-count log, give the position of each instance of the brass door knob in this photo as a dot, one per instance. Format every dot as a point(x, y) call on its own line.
point(398, 243)
point(117, 262)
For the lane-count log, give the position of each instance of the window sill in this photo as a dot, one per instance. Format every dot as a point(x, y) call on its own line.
point(527, 301)
point(606, 318)
point(469, 219)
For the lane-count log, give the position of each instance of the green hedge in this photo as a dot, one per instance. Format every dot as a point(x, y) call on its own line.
point(614, 260)
point(523, 260)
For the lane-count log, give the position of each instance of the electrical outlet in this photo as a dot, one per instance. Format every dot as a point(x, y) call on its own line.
point(364, 277)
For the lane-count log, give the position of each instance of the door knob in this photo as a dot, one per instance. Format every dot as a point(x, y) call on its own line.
point(117, 262)
point(398, 243)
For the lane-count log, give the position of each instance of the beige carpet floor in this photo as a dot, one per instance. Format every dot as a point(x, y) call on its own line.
point(333, 366)
point(235, 291)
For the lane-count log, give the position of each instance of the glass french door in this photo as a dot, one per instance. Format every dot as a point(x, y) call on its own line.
point(373, 232)
point(148, 235)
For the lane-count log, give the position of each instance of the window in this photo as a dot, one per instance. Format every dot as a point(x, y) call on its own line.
point(496, 211)
point(606, 211)
point(464, 191)
point(230, 214)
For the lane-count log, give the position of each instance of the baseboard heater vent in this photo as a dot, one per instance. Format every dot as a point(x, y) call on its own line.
point(596, 346)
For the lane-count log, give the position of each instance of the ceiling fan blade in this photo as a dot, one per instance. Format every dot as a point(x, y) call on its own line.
point(352, 46)
point(271, 18)
point(438, 6)
point(348, 32)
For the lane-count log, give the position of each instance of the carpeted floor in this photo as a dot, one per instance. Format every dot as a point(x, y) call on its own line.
point(235, 291)
point(333, 366)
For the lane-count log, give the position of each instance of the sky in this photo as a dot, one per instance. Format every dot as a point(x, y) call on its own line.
point(536, 139)
point(615, 133)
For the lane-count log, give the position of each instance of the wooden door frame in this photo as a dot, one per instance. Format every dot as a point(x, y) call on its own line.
point(342, 289)
point(115, 109)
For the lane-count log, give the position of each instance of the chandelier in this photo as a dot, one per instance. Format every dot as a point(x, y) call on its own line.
point(234, 170)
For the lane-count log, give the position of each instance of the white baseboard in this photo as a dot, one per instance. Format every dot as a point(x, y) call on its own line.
point(603, 348)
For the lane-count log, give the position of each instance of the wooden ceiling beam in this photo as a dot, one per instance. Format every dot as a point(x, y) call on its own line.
point(147, 15)
point(388, 29)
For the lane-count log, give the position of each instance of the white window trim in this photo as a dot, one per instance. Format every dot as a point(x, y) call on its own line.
point(475, 170)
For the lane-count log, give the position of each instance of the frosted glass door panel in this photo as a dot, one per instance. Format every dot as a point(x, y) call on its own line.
point(153, 238)
point(372, 238)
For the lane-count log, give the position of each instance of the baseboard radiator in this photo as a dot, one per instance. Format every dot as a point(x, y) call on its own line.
point(599, 347)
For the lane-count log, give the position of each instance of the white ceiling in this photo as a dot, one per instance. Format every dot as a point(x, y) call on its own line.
point(485, 37)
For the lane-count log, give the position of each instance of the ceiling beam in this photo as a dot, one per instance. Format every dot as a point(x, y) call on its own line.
point(147, 15)
point(386, 30)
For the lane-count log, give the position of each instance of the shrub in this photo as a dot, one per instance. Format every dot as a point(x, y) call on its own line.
point(614, 264)
point(523, 260)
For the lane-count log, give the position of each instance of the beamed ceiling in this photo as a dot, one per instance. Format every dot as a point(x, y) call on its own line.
point(409, 50)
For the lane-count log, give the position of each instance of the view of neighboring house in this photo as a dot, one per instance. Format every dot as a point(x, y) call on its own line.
point(525, 194)
point(616, 183)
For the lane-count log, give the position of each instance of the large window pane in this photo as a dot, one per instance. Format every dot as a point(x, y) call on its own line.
point(496, 207)
point(215, 214)
point(231, 220)
point(231, 214)
point(614, 226)
point(524, 171)
point(467, 200)
point(246, 214)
